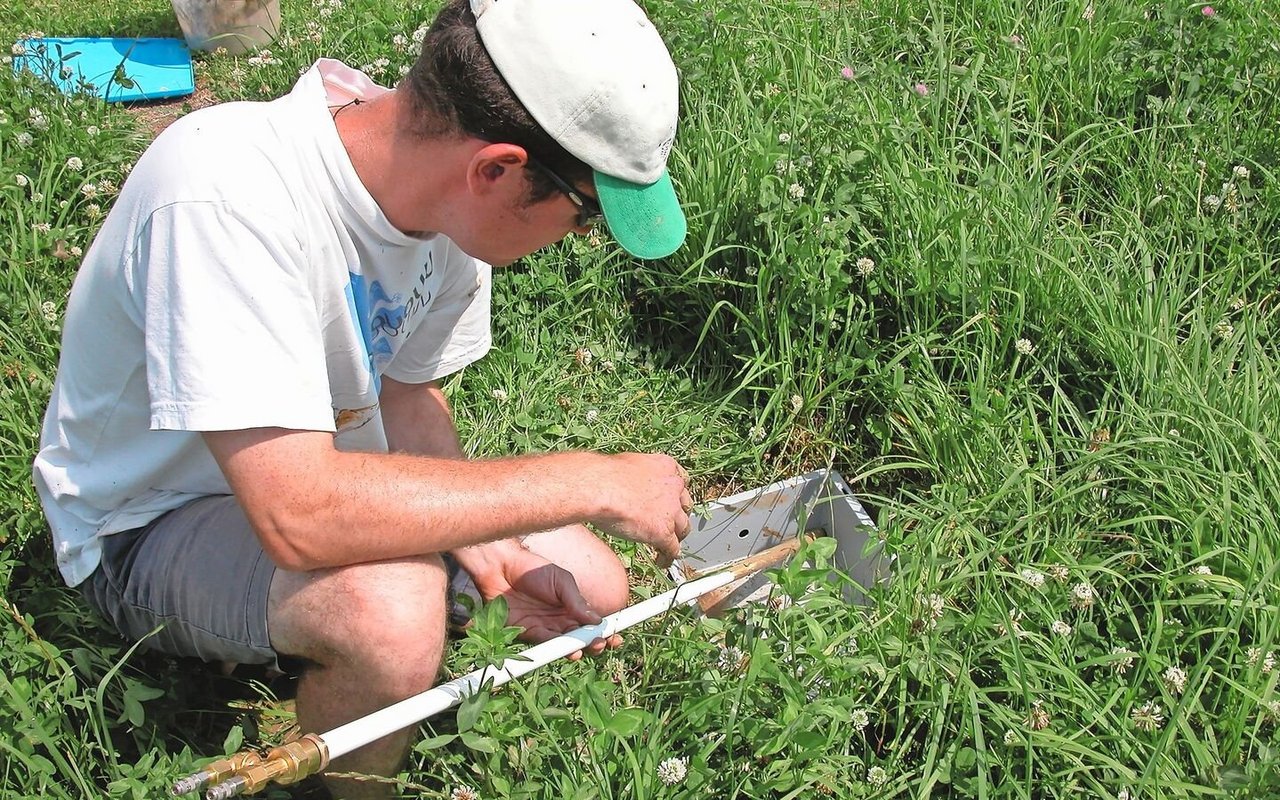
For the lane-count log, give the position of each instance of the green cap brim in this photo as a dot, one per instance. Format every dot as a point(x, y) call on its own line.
point(645, 220)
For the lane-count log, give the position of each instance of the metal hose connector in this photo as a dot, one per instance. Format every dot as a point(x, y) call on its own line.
point(219, 770)
point(227, 789)
point(288, 763)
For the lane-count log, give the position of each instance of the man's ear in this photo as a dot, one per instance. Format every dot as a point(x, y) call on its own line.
point(497, 167)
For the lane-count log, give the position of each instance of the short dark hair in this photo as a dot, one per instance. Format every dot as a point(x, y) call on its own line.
point(455, 89)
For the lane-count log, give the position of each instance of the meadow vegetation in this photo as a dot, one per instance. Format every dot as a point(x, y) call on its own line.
point(1011, 268)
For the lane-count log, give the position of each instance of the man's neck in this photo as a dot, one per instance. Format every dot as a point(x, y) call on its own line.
point(404, 173)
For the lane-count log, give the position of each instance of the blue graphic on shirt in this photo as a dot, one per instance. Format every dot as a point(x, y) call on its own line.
point(380, 317)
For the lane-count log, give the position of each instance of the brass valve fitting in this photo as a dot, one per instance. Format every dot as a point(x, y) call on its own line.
point(288, 763)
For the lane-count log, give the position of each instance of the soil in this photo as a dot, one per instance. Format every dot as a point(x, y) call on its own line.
point(156, 115)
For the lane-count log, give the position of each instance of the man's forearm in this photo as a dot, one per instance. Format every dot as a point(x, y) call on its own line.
point(313, 506)
point(418, 420)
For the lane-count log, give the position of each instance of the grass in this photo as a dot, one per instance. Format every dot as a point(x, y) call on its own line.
point(1053, 383)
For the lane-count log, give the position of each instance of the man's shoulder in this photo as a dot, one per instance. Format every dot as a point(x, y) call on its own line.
point(236, 153)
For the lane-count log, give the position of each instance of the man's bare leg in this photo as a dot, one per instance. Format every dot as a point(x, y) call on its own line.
point(373, 634)
point(600, 575)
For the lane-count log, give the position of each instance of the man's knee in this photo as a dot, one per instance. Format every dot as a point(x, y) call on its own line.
point(598, 571)
point(607, 588)
point(386, 618)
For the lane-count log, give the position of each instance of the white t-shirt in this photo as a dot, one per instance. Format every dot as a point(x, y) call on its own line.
point(244, 278)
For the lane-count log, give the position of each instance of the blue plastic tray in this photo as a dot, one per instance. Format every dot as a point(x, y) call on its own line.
point(117, 70)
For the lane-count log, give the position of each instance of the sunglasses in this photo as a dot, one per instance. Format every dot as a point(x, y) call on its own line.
point(589, 212)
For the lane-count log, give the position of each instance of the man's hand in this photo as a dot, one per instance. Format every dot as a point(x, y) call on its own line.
point(541, 597)
point(649, 501)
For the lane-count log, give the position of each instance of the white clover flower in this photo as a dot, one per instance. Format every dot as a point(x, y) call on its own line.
point(1038, 719)
point(49, 310)
point(1060, 628)
point(263, 58)
point(1148, 717)
point(464, 793)
point(75, 164)
point(1034, 577)
point(1268, 662)
point(1175, 680)
point(781, 167)
point(404, 70)
point(583, 356)
point(673, 770)
point(796, 191)
point(592, 415)
point(1024, 346)
point(93, 211)
point(1252, 655)
point(38, 197)
point(1273, 708)
point(1122, 664)
point(1174, 433)
point(859, 719)
point(1224, 330)
point(797, 402)
point(419, 34)
point(876, 776)
point(1123, 794)
point(1212, 202)
point(731, 659)
point(756, 434)
point(89, 190)
point(18, 49)
point(1082, 595)
point(75, 251)
point(401, 42)
point(865, 266)
point(1010, 737)
point(500, 395)
point(1059, 573)
point(1200, 570)
point(66, 72)
point(1087, 16)
point(784, 138)
point(22, 180)
point(936, 605)
point(1241, 172)
point(92, 131)
point(42, 227)
point(608, 366)
point(24, 139)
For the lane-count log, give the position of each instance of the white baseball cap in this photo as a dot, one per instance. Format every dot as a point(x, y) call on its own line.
point(597, 77)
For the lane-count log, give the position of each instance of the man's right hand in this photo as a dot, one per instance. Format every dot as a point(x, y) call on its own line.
point(646, 499)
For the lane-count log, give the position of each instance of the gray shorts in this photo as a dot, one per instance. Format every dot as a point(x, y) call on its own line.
point(198, 578)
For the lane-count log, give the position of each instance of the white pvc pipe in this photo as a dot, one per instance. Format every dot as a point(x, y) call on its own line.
point(358, 733)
